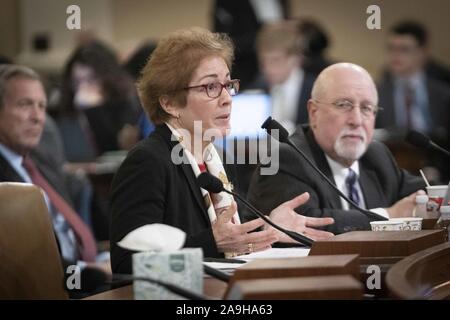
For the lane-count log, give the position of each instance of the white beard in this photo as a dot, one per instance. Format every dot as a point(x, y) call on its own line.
point(350, 151)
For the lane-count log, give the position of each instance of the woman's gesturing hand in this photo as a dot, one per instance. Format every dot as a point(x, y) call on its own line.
point(238, 238)
point(285, 216)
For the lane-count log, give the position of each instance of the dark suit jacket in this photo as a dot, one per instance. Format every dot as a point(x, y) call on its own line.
point(8, 174)
point(382, 183)
point(89, 284)
point(305, 94)
point(149, 188)
point(238, 19)
point(104, 124)
point(438, 101)
point(438, 71)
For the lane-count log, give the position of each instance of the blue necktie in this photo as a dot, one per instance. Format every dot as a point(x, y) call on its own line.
point(350, 182)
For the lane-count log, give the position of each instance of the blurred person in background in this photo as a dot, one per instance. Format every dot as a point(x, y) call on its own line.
point(97, 100)
point(23, 104)
point(134, 65)
point(282, 76)
point(414, 98)
point(410, 96)
point(242, 20)
point(315, 42)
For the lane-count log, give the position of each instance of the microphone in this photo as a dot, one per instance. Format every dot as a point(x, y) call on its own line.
point(215, 273)
point(420, 140)
point(213, 184)
point(283, 136)
point(185, 293)
point(92, 279)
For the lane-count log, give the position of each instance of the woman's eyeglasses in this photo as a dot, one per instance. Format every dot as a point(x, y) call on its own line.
point(214, 89)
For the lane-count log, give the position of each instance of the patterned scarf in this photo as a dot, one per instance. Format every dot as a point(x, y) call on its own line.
point(215, 167)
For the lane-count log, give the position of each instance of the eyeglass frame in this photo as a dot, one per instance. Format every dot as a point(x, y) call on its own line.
point(223, 86)
point(335, 104)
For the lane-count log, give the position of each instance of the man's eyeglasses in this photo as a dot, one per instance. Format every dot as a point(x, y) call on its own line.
point(214, 89)
point(367, 110)
point(402, 49)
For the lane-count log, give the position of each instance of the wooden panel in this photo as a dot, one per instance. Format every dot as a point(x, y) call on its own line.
point(323, 287)
point(380, 243)
point(299, 267)
point(424, 275)
point(429, 223)
point(212, 288)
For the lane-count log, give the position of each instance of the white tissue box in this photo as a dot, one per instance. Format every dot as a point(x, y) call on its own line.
point(183, 268)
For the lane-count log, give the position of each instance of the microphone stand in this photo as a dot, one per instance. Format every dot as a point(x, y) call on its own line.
point(294, 235)
point(216, 273)
point(268, 127)
point(171, 287)
point(439, 148)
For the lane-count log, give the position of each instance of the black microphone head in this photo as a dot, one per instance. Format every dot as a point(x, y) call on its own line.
point(418, 139)
point(270, 124)
point(209, 182)
point(92, 279)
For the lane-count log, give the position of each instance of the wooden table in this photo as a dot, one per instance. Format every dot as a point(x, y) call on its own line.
point(211, 287)
point(424, 275)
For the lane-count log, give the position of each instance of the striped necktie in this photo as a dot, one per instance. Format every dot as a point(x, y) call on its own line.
point(83, 233)
point(350, 182)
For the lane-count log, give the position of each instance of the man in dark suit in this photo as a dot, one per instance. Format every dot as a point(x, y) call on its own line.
point(22, 117)
point(241, 20)
point(282, 76)
point(338, 140)
point(411, 95)
point(414, 96)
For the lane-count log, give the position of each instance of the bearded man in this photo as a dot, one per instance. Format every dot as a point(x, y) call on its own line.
point(342, 113)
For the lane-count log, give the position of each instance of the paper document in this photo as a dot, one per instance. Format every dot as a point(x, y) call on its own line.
point(274, 253)
point(224, 265)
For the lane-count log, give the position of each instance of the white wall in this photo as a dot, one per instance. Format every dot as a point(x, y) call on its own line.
point(49, 16)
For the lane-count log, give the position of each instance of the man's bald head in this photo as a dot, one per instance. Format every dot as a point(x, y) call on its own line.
point(342, 111)
point(337, 72)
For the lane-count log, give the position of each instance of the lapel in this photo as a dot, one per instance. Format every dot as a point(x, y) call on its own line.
point(195, 189)
point(305, 94)
point(386, 118)
point(186, 168)
point(370, 187)
point(321, 162)
point(435, 107)
point(390, 101)
point(7, 173)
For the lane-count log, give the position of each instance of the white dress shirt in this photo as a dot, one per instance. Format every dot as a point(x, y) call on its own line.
point(340, 174)
point(420, 109)
point(285, 100)
point(65, 235)
point(267, 11)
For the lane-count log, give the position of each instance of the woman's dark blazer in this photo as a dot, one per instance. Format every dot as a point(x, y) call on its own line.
point(149, 188)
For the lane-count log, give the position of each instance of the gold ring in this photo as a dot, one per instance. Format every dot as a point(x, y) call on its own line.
point(250, 247)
